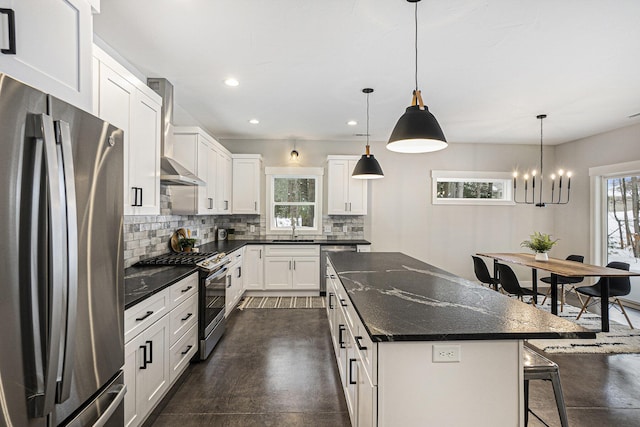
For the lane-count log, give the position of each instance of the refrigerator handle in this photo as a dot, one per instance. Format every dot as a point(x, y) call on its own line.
point(67, 344)
point(47, 362)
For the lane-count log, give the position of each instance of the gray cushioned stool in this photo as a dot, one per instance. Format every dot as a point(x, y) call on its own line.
point(538, 367)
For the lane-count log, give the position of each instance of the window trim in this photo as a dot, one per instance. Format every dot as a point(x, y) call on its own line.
point(472, 176)
point(294, 172)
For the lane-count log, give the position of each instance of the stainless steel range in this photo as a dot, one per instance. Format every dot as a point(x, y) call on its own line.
point(211, 295)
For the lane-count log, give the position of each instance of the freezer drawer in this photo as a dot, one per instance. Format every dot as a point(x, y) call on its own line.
point(106, 410)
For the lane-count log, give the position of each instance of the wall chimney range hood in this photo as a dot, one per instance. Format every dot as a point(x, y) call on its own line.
point(171, 171)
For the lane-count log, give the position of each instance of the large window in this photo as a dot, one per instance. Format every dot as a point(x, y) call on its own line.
point(462, 188)
point(294, 197)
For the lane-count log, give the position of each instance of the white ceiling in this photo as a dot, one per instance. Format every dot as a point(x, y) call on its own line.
point(486, 68)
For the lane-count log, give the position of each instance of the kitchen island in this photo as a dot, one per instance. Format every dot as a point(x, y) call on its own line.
point(419, 346)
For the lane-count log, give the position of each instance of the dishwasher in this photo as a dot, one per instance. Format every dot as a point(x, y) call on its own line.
point(324, 251)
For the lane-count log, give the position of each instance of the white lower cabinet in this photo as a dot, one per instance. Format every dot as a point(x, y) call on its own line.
point(292, 268)
point(234, 285)
point(253, 267)
point(161, 337)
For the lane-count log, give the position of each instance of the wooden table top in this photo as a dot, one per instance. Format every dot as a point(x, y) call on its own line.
point(560, 267)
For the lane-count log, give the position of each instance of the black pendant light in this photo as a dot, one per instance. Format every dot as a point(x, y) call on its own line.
point(367, 167)
point(417, 131)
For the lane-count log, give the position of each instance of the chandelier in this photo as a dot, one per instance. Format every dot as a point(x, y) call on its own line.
point(557, 195)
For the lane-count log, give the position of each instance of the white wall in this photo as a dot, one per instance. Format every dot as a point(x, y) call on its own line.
point(401, 216)
point(617, 146)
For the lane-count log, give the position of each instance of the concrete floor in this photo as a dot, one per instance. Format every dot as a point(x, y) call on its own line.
point(276, 368)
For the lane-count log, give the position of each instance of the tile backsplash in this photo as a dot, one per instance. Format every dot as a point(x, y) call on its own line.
point(148, 235)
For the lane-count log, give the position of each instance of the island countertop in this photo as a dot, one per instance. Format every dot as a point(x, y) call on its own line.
point(400, 298)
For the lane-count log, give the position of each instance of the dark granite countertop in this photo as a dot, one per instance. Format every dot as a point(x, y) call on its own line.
point(231, 245)
point(142, 282)
point(399, 298)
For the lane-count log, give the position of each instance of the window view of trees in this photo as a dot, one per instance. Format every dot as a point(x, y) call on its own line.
point(623, 231)
point(294, 201)
point(470, 190)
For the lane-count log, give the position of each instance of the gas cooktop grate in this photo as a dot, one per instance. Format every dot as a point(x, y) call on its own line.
point(186, 258)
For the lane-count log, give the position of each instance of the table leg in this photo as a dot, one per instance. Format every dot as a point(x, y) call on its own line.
point(554, 294)
point(495, 272)
point(534, 278)
point(604, 304)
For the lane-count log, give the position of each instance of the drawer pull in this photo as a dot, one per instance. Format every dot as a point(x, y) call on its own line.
point(187, 317)
point(187, 289)
point(189, 347)
point(330, 296)
point(341, 329)
point(139, 319)
point(343, 303)
point(360, 346)
point(351, 381)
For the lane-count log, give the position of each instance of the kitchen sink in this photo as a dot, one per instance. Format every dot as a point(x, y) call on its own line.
point(292, 241)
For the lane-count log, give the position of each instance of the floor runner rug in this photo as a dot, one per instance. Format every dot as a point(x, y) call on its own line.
point(281, 302)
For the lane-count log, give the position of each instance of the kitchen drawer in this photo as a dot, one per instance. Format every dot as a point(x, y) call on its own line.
point(292, 250)
point(236, 256)
point(184, 289)
point(182, 351)
point(182, 317)
point(144, 314)
point(344, 303)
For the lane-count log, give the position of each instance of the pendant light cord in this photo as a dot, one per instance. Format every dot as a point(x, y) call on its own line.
point(541, 119)
point(416, 45)
point(367, 124)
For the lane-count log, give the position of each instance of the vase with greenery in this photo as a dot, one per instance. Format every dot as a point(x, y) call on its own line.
point(540, 243)
point(186, 243)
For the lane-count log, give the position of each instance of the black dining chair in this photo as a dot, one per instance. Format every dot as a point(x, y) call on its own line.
point(511, 285)
point(482, 273)
point(618, 287)
point(563, 280)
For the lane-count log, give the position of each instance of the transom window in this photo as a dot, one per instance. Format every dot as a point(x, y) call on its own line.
point(454, 187)
point(294, 198)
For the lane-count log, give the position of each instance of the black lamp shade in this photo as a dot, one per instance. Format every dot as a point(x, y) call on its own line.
point(417, 131)
point(367, 168)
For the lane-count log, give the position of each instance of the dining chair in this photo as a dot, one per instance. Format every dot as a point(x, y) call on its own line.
point(563, 280)
point(618, 287)
point(482, 273)
point(511, 285)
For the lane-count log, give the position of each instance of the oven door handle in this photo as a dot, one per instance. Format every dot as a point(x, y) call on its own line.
point(217, 274)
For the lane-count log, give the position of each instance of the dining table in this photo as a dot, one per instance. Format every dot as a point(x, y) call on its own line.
point(562, 267)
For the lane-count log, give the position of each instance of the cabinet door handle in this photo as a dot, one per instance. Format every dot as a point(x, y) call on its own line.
point(341, 329)
point(294, 265)
point(187, 350)
point(349, 206)
point(187, 317)
point(343, 303)
point(330, 305)
point(345, 206)
point(11, 30)
point(140, 188)
point(144, 357)
point(210, 203)
point(289, 265)
point(226, 205)
point(255, 206)
point(228, 279)
point(360, 346)
point(351, 381)
point(140, 319)
point(135, 196)
point(186, 289)
point(150, 351)
point(260, 256)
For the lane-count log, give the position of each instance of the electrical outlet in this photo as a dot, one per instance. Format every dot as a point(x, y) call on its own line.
point(345, 228)
point(327, 229)
point(446, 353)
point(252, 228)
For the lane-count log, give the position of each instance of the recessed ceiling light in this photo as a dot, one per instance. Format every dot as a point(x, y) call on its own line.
point(254, 121)
point(231, 82)
point(352, 123)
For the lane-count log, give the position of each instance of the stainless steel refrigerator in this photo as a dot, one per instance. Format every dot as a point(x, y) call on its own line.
point(61, 266)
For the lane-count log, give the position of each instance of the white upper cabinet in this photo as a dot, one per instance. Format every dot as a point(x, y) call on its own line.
point(223, 181)
point(126, 102)
point(211, 162)
point(346, 195)
point(52, 40)
point(247, 174)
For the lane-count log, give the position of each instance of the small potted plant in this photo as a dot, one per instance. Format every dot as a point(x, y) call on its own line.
point(540, 243)
point(186, 243)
